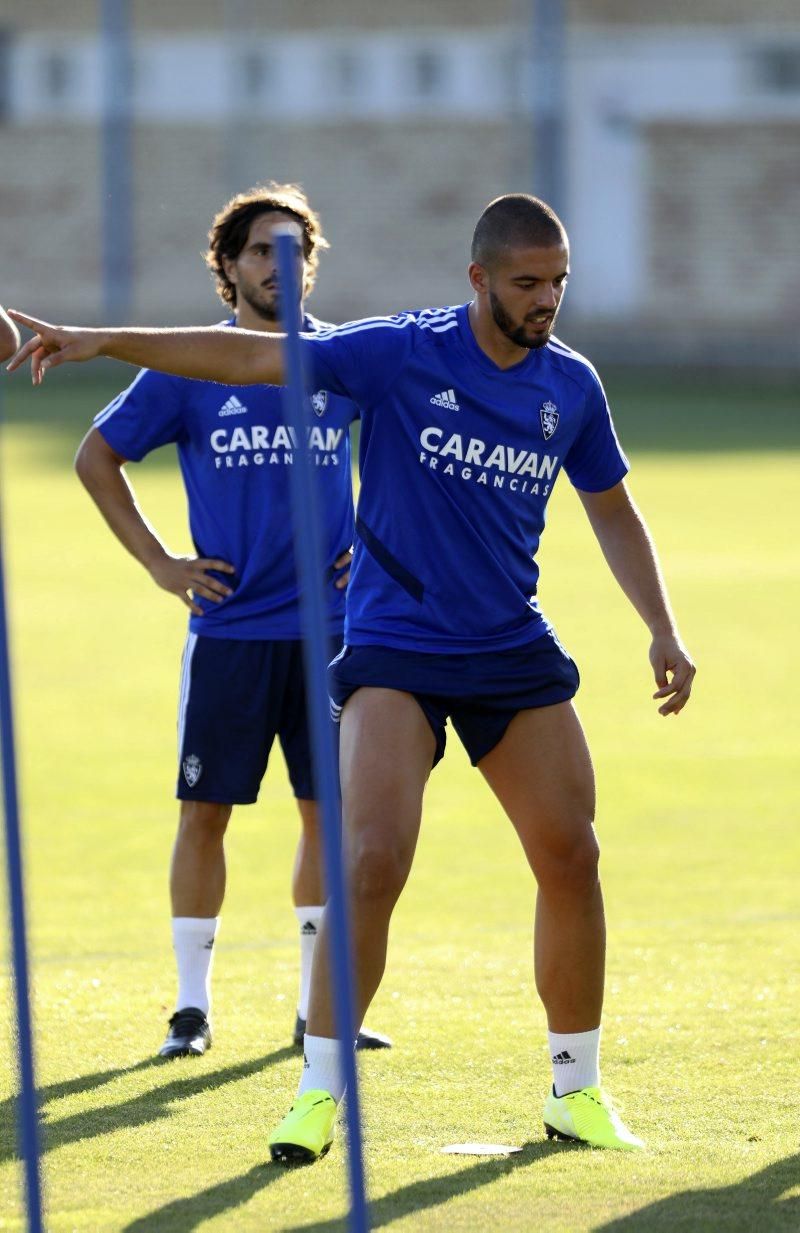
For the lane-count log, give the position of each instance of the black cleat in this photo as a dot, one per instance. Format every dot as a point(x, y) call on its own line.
point(189, 1034)
point(365, 1039)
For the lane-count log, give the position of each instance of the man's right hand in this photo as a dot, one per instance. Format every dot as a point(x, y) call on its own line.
point(224, 354)
point(54, 344)
point(189, 577)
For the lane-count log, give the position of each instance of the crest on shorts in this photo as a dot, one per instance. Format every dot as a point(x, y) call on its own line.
point(192, 769)
point(548, 414)
point(319, 402)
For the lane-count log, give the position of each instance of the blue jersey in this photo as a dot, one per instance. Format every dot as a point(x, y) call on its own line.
point(458, 460)
point(235, 448)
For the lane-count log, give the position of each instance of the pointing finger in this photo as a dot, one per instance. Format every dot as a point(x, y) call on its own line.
point(33, 323)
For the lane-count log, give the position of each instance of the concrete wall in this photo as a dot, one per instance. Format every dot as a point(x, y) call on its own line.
point(677, 155)
point(724, 225)
point(398, 205)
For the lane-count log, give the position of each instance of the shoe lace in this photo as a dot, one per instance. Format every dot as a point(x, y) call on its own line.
point(600, 1098)
point(184, 1022)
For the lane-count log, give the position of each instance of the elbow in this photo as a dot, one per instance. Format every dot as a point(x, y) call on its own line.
point(81, 464)
point(95, 460)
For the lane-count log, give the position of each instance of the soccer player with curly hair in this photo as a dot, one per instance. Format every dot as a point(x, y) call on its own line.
point(242, 681)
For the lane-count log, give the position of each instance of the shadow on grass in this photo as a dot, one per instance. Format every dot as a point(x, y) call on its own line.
point(690, 413)
point(150, 1106)
point(55, 1091)
point(755, 1203)
point(432, 1192)
point(81, 1083)
point(186, 1214)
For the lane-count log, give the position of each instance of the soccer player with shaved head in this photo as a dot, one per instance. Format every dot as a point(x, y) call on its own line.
point(242, 681)
point(469, 415)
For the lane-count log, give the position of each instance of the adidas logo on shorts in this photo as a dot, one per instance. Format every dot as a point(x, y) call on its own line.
point(446, 399)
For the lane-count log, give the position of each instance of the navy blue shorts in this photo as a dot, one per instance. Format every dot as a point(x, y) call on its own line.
point(236, 696)
point(479, 693)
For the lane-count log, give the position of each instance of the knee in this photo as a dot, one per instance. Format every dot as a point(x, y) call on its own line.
point(376, 872)
point(203, 822)
point(570, 867)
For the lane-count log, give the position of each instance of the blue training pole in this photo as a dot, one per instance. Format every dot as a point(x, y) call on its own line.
point(309, 555)
point(27, 1116)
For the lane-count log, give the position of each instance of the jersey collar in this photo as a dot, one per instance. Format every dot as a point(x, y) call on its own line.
point(526, 365)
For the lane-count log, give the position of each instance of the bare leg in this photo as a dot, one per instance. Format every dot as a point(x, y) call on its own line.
point(386, 754)
point(541, 773)
point(197, 873)
point(307, 879)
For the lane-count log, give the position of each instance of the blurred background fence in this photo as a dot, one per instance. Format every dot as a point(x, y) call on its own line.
point(667, 136)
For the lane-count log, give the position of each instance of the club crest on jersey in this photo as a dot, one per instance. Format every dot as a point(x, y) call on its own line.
point(319, 402)
point(548, 414)
point(192, 769)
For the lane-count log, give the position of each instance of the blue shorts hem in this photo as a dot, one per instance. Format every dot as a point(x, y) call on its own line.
point(480, 694)
point(182, 793)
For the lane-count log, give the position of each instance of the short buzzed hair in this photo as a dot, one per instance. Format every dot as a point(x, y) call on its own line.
point(516, 220)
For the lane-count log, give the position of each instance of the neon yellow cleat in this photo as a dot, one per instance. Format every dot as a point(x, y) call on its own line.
point(589, 1116)
point(307, 1131)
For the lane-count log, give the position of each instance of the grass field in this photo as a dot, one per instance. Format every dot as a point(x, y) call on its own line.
point(698, 822)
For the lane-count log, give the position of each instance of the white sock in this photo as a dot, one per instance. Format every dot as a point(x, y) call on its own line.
point(193, 942)
point(308, 919)
point(322, 1067)
point(576, 1060)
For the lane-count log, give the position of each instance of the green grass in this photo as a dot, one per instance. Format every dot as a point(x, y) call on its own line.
point(698, 821)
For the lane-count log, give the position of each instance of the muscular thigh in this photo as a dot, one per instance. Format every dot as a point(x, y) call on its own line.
point(386, 753)
point(541, 772)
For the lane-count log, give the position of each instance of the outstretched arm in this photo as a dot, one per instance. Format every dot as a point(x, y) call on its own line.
point(631, 555)
point(9, 337)
point(230, 356)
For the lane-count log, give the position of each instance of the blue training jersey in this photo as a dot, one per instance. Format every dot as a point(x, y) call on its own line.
point(235, 448)
point(458, 459)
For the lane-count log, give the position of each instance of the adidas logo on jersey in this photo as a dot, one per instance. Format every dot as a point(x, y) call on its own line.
point(446, 399)
point(233, 407)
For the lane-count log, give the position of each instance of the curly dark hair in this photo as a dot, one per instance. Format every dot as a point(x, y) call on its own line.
point(231, 227)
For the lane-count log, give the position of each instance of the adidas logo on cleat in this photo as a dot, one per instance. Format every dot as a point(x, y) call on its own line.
point(563, 1059)
point(446, 399)
point(233, 407)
